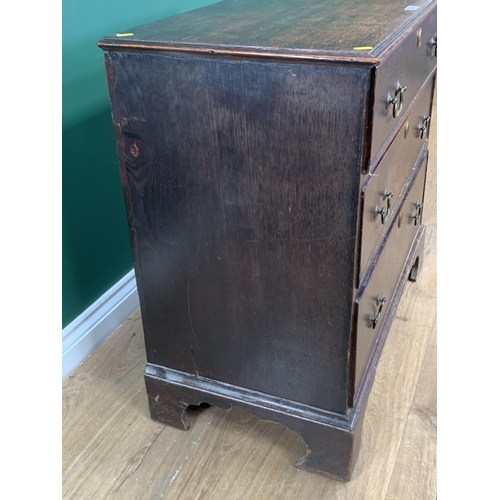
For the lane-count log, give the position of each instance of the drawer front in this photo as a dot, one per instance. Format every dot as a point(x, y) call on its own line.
point(374, 299)
point(382, 188)
point(411, 211)
point(399, 77)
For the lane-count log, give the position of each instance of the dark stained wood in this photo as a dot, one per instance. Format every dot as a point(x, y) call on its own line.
point(333, 441)
point(415, 257)
point(401, 62)
point(243, 169)
point(245, 228)
point(391, 174)
point(385, 270)
point(168, 403)
point(323, 437)
point(406, 218)
point(316, 25)
point(308, 57)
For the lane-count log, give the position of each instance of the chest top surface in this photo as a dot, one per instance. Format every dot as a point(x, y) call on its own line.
point(315, 26)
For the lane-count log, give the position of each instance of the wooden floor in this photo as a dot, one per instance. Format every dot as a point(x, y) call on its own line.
point(113, 450)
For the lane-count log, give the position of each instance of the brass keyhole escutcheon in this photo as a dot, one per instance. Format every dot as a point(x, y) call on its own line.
point(397, 101)
point(407, 128)
point(424, 126)
point(417, 216)
point(374, 318)
point(419, 38)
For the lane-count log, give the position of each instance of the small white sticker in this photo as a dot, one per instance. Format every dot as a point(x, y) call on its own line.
point(412, 7)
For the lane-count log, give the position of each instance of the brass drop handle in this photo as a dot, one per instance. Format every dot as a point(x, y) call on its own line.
point(434, 46)
point(387, 196)
point(374, 318)
point(417, 217)
point(397, 101)
point(384, 212)
point(380, 211)
point(423, 127)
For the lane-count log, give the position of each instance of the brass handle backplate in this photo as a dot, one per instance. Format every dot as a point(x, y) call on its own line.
point(374, 318)
point(434, 46)
point(424, 126)
point(417, 216)
point(384, 212)
point(381, 211)
point(387, 196)
point(397, 101)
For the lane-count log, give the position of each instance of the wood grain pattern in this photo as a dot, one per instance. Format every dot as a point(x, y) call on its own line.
point(244, 228)
point(113, 450)
point(316, 25)
point(402, 64)
point(386, 273)
point(414, 473)
point(170, 393)
point(121, 362)
point(241, 180)
point(415, 465)
point(391, 174)
point(90, 406)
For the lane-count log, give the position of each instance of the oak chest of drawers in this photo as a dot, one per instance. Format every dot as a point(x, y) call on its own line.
point(273, 158)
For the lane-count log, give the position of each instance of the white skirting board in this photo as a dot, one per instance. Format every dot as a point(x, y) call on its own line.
point(97, 322)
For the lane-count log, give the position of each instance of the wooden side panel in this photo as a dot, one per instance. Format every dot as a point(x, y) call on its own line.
point(243, 179)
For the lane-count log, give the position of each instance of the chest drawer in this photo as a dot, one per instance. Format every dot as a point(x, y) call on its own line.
point(382, 189)
point(246, 131)
point(411, 212)
point(373, 299)
point(399, 77)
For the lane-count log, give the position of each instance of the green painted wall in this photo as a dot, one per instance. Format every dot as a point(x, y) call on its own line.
point(96, 247)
